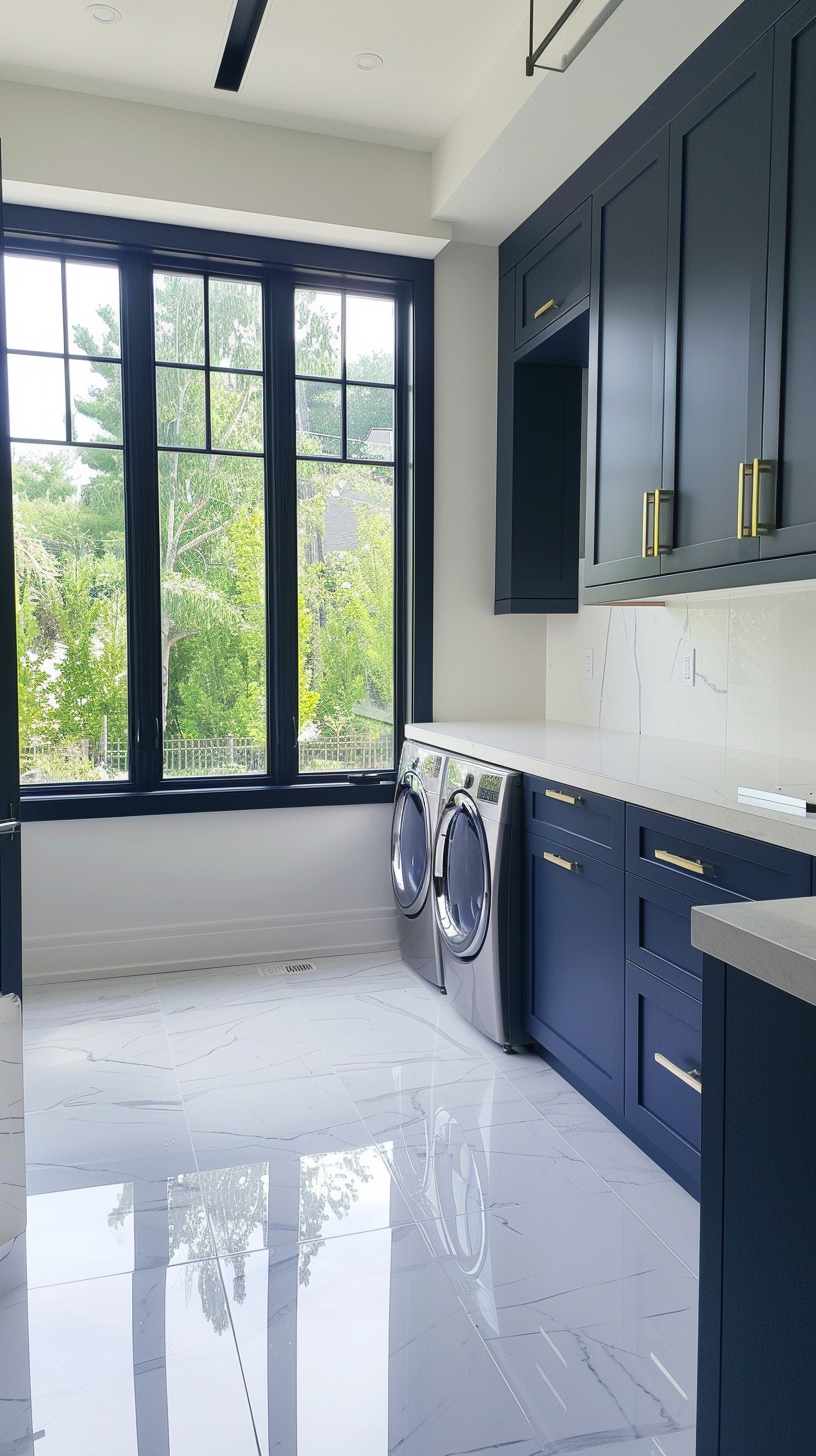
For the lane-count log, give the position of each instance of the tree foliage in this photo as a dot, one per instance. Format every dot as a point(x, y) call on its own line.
point(71, 560)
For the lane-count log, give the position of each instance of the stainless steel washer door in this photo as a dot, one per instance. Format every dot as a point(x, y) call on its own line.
point(411, 845)
point(462, 877)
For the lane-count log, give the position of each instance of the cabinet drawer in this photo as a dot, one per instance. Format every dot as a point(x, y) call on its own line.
point(575, 925)
point(556, 273)
point(589, 823)
point(708, 864)
point(660, 1103)
point(658, 934)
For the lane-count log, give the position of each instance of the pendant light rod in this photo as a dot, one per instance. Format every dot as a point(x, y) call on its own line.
point(533, 57)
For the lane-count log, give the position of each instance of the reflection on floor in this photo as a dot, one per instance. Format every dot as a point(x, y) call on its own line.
point(321, 1216)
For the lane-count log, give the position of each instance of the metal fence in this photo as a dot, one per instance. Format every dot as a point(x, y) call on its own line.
point(347, 751)
point(202, 757)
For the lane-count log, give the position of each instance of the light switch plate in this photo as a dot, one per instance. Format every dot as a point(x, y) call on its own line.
point(689, 667)
point(589, 663)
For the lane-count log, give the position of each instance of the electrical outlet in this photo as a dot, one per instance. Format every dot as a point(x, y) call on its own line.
point(589, 663)
point(689, 667)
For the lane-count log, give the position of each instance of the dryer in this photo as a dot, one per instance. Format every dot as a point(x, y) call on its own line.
point(416, 809)
point(477, 896)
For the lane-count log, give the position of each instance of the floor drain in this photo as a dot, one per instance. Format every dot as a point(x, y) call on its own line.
point(287, 968)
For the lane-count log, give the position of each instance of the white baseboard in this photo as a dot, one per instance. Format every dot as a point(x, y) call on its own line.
point(151, 949)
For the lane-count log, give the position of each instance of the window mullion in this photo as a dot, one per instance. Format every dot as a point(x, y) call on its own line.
point(142, 524)
point(282, 583)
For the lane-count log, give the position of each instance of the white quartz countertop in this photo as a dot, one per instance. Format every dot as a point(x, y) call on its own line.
point(774, 940)
point(691, 780)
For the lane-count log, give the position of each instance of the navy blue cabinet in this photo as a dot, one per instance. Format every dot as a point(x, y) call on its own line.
point(757, 1348)
point(575, 928)
point(614, 986)
point(626, 353)
point(663, 1079)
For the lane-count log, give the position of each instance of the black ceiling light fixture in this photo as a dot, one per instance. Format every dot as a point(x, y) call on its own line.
point(574, 33)
point(243, 32)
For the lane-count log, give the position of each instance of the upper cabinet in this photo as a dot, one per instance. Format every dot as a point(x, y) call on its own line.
point(789, 426)
point(553, 278)
point(701, 345)
point(626, 345)
point(718, 243)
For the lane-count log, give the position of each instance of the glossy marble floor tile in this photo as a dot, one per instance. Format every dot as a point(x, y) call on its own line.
point(321, 1213)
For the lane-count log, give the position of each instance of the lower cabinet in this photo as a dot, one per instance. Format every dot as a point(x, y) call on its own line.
point(614, 986)
point(576, 963)
point(663, 1076)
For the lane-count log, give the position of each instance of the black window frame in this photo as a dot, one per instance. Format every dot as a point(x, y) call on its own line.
point(139, 248)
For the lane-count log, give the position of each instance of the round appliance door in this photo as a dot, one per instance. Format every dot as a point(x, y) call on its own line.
point(462, 877)
point(411, 845)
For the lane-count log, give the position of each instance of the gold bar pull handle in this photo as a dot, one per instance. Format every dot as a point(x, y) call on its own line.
point(691, 1078)
point(763, 509)
point(562, 797)
point(557, 859)
point(694, 866)
point(658, 523)
point(744, 496)
point(545, 308)
point(647, 544)
point(756, 499)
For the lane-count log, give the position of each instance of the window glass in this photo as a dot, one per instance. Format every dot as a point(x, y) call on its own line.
point(34, 304)
point(345, 519)
point(370, 339)
point(179, 317)
point(212, 522)
point(345, 616)
point(318, 318)
point(69, 526)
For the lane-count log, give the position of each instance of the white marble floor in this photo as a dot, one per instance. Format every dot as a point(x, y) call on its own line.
point(321, 1216)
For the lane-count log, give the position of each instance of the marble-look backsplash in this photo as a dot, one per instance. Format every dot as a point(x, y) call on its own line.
point(755, 669)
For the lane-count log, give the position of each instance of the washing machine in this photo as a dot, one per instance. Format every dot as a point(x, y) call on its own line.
point(477, 871)
point(416, 809)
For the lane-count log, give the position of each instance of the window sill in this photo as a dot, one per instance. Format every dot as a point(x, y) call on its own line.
point(36, 808)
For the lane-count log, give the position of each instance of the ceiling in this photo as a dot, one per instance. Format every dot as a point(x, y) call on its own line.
point(302, 72)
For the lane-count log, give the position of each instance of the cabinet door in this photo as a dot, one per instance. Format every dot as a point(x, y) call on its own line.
point(575, 953)
point(663, 1070)
point(718, 242)
point(554, 277)
point(627, 343)
point(789, 435)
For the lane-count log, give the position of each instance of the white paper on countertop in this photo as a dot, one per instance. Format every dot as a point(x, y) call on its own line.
point(12, 1137)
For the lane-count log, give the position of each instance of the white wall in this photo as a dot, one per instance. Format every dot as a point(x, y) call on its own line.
point(756, 669)
point(168, 892)
point(484, 666)
point(67, 149)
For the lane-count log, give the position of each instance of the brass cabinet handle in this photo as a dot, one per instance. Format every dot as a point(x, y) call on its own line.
point(658, 523)
point(545, 308)
point(563, 864)
point(562, 797)
point(756, 488)
point(691, 1079)
point(694, 866)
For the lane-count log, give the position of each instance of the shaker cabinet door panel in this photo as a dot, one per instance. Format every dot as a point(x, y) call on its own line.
point(718, 240)
point(790, 386)
point(575, 924)
point(627, 343)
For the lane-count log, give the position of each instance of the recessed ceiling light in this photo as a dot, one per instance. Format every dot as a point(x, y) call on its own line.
point(105, 14)
point(367, 61)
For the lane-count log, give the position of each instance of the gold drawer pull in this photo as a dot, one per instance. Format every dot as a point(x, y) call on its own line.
point(756, 498)
point(563, 864)
point(658, 523)
point(545, 308)
point(562, 797)
point(691, 1079)
point(694, 866)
